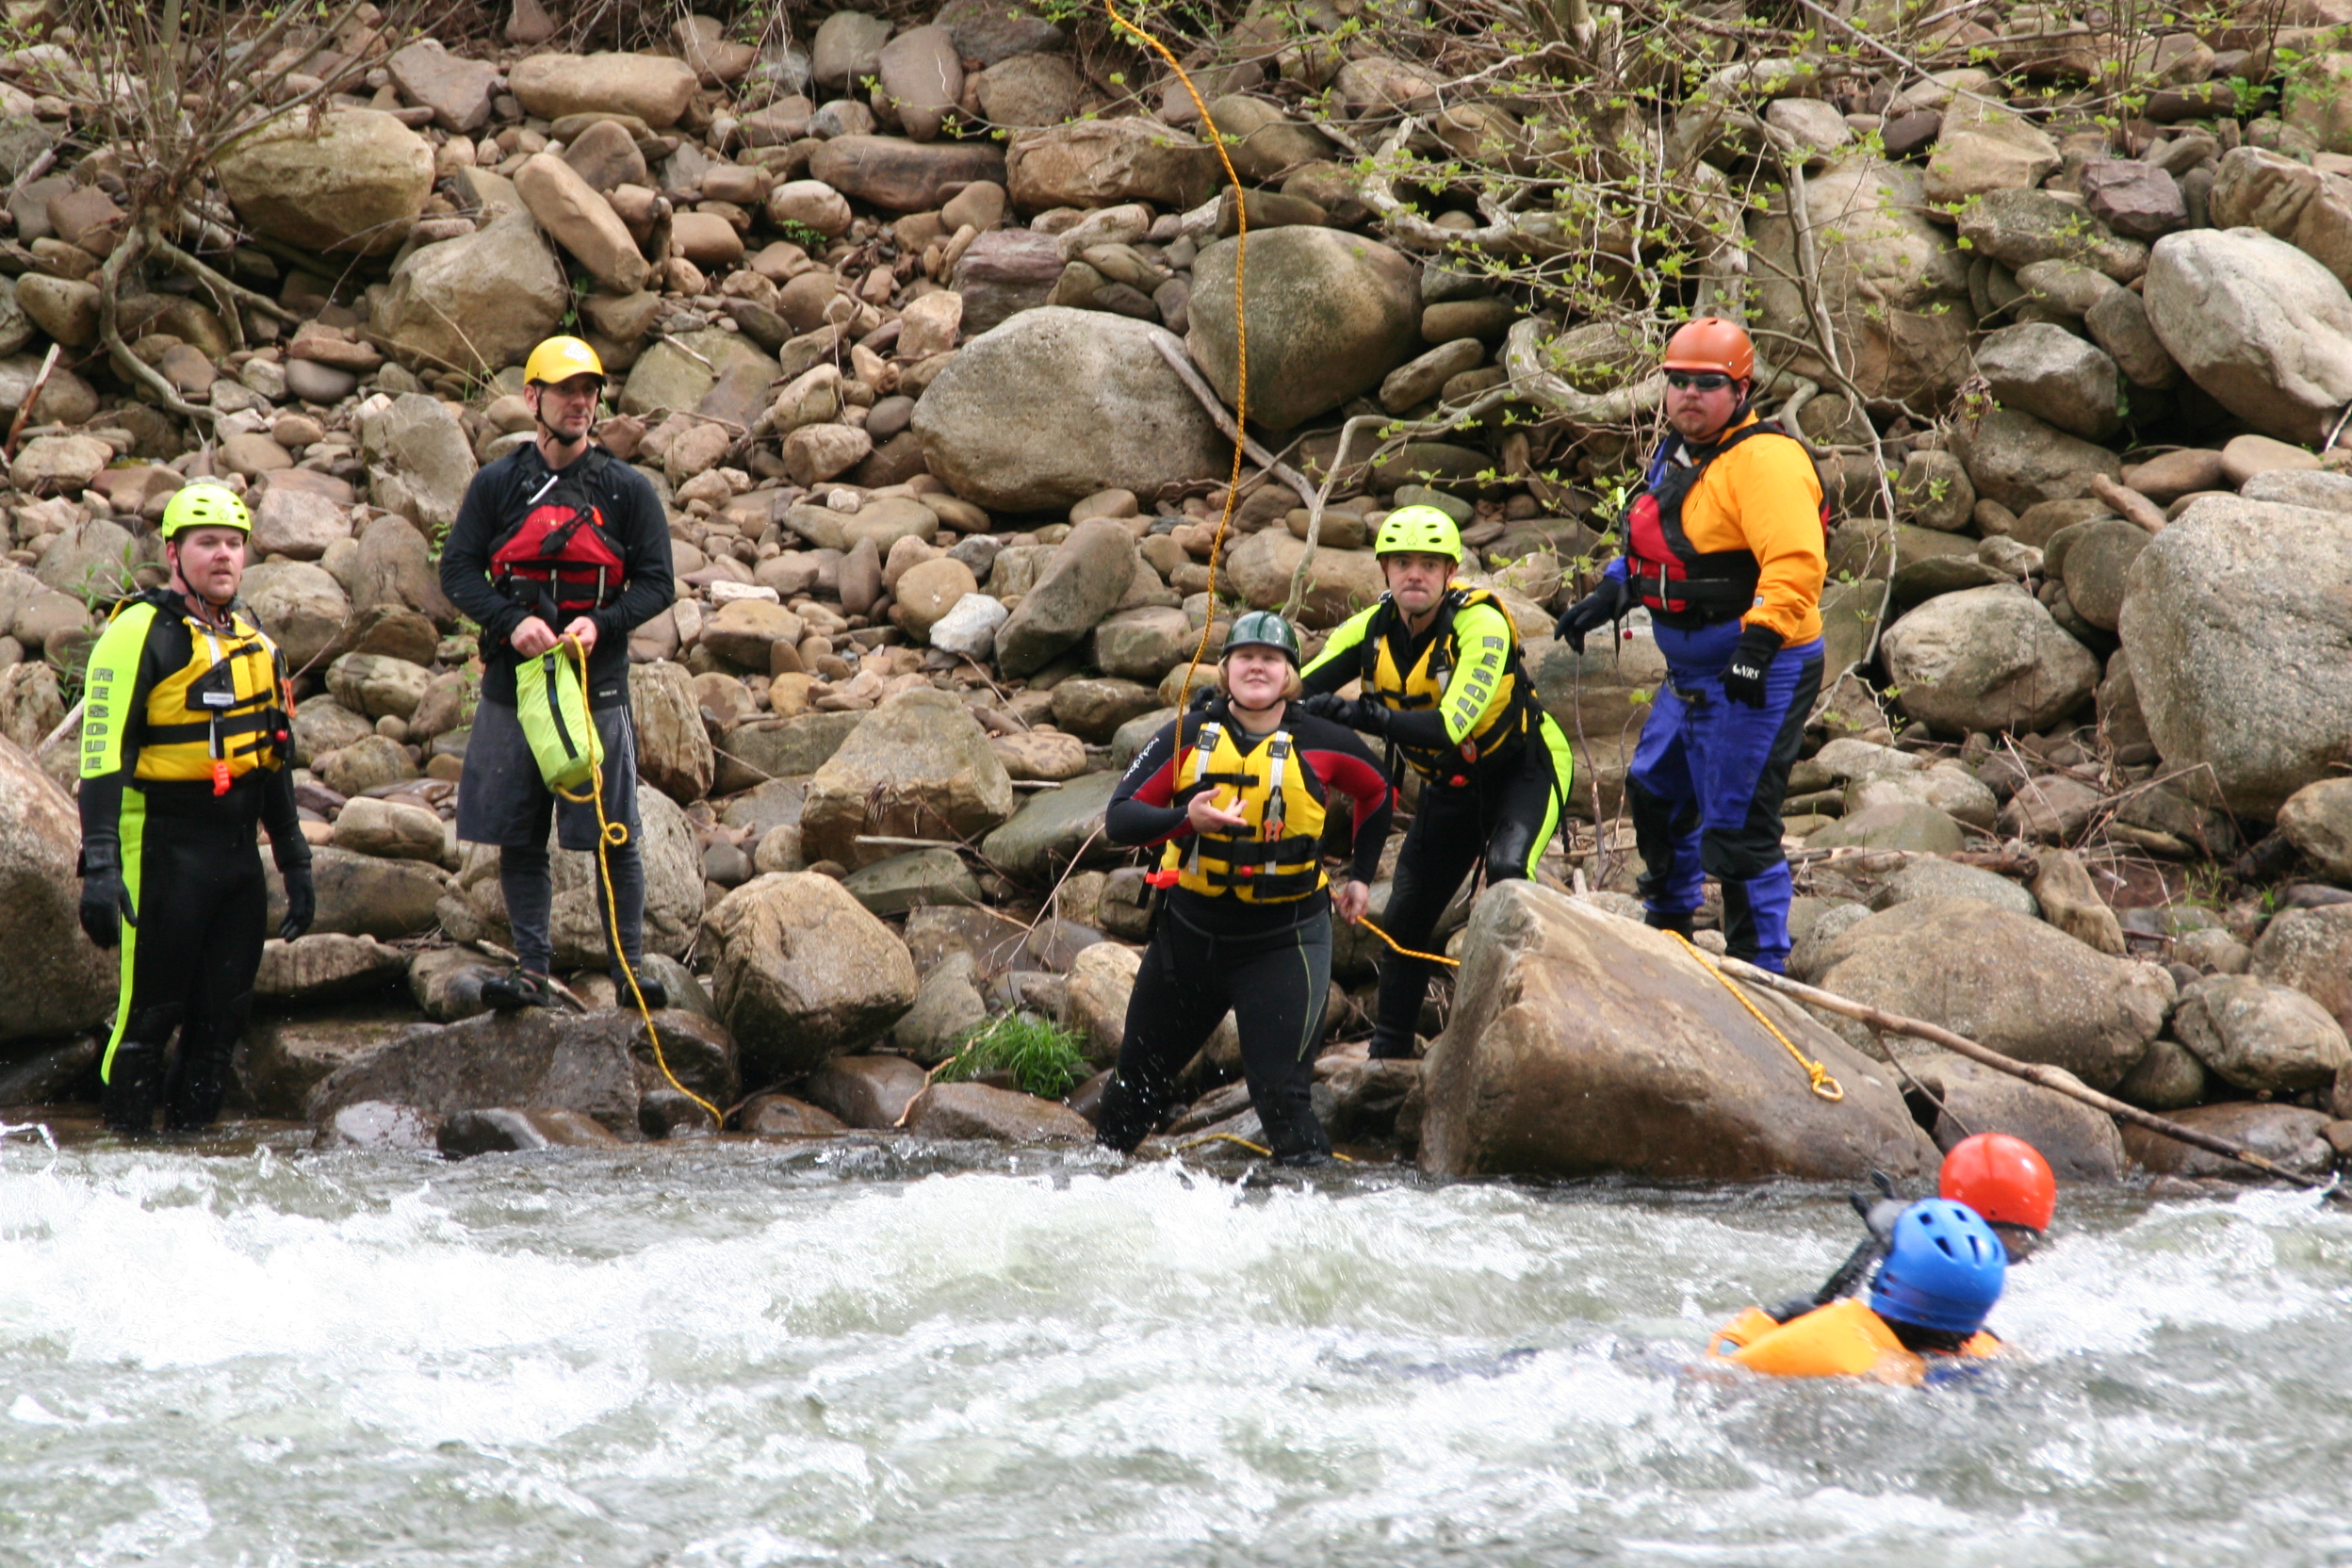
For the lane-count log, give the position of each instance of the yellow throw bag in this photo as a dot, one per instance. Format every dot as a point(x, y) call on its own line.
point(552, 700)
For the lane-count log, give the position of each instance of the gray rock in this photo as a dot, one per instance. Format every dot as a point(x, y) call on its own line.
point(2167, 1078)
point(2234, 627)
point(918, 766)
point(2260, 1036)
point(282, 1059)
point(847, 46)
point(2053, 375)
point(803, 973)
point(2020, 227)
point(870, 1092)
point(1049, 830)
point(2263, 327)
point(921, 79)
point(2096, 563)
point(2020, 461)
point(2284, 1135)
point(920, 876)
point(1988, 659)
point(2138, 200)
point(1001, 1116)
point(2006, 981)
point(534, 1060)
point(478, 303)
point(394, 567)
point(2312, 951)
point(55, 981)
point(1585, 1044)
point(1100, 409)
point(360, 895)
point(2078, 1142)
point(990, 31)
point(378, 1125)
point(1949, 879)
point(353, 187)
point(1330, 316)
point(2118, 323)
point(506, 1130)
point(2311, 488)
point(947, 1007)
point(2317, 820)
point(1084, 579)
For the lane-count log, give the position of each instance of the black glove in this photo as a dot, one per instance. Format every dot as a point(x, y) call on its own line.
point(106, 903)
point(1366, 714)
point(301, 901)
point(1325, 705)
point(1743, 678)
point(1606, 603)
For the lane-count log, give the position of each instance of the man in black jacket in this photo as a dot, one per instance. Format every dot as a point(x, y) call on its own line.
point(558, 540)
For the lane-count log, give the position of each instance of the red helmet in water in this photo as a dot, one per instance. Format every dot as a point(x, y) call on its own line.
point(2002, 1178)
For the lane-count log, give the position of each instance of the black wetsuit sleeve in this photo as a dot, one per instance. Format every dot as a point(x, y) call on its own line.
point(466, 557)
point(283, 820)
point(1144, 808)
point(1348, 768)
point(643, 530)
point(1424, 727)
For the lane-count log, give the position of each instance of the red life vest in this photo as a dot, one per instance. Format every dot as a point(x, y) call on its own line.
point(1682, 586)
point(558, 561)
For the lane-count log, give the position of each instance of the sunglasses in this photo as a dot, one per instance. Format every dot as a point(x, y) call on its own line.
point(1704, 380)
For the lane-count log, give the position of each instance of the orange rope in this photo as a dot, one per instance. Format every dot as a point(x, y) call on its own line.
point(1241, 341)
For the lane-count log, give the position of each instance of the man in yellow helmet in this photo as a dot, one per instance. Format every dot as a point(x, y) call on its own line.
point(1726, 549)
point(557, 541)
point(1443, 685)
point(187, 747)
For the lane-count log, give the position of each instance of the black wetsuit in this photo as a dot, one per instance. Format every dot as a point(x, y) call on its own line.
point(1268, 964)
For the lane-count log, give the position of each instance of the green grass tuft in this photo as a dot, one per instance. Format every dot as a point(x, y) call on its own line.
point(1043, 1057)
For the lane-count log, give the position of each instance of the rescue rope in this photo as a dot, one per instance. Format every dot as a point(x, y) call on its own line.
point(610, 835)
point(1402, 951)
point(1241, 343)
point(1817, 1073)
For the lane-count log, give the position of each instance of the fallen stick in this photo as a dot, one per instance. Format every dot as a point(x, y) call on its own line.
point(2033, 1072)
point(1174, 351)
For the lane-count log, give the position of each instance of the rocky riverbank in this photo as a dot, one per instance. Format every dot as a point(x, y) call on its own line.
point(923, 327)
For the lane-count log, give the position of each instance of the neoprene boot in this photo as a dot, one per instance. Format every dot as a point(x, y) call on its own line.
point(133, 1083)
point(516, 990)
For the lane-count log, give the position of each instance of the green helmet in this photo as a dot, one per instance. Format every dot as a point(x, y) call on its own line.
point(208, 503)
point(1418, 530)
point(1263, 629)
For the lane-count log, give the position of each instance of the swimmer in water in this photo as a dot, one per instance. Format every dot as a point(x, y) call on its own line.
point(2004, 1178)
point(1943, 1270)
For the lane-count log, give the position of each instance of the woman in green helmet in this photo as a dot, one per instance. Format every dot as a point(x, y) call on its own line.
point(1236, 796)
point(1442, 684)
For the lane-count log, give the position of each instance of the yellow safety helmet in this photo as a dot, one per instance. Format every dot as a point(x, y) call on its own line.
point(208, 503)
point(559, 359)
point(1418, 530)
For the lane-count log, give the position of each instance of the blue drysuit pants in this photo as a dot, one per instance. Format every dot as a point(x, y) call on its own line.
point(1707, 785)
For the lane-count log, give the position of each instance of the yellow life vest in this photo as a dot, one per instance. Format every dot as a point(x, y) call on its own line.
point(1845, 1339)
point(223, 713)
point(1277, 858)
point(1507, 713)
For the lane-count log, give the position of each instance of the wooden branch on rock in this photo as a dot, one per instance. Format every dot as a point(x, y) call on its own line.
point(2049, 1078)
point(1174, 351)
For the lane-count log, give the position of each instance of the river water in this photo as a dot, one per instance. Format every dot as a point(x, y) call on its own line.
point(852, 1354)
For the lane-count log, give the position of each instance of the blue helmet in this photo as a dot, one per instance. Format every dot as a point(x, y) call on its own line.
point(1943, 1270)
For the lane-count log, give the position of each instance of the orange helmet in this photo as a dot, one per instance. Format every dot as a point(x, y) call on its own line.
point(1711, 343)
point(2002, 1178)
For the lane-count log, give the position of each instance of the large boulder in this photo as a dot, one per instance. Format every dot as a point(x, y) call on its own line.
point(301, 606)
point(418, 461)
point(2257, 188)
point(582, 222)
point(674, 376)
point(1582, 1043)
point(355, 187)
point(55, 980)
point(1894, 283)
point(282, 1059)
point(2317, 820)
point(1000, 1115)
point(395, 566)
point(2261, 1036)
point(1052, 829)
point(1098, 163)
point(2262, 326)
point(539, 1058)
point(1099, 410)
point(1339, 582)
point(1330, 314)
point(2235, 621)
point(361, 896)
point(920, 766)
point(2004, 980)
point(2312, 951)
point(673, 753)
point(2020, 461)
point(803, 973)
point(653, 88)
point(1965, 1097)
point(1083, 581)
point(674, 890)
point(1987, 658)
point(2284, 1135)
point(2053, 375)
point(477, 303)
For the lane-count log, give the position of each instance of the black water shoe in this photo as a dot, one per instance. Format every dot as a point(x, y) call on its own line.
point(517, 988)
